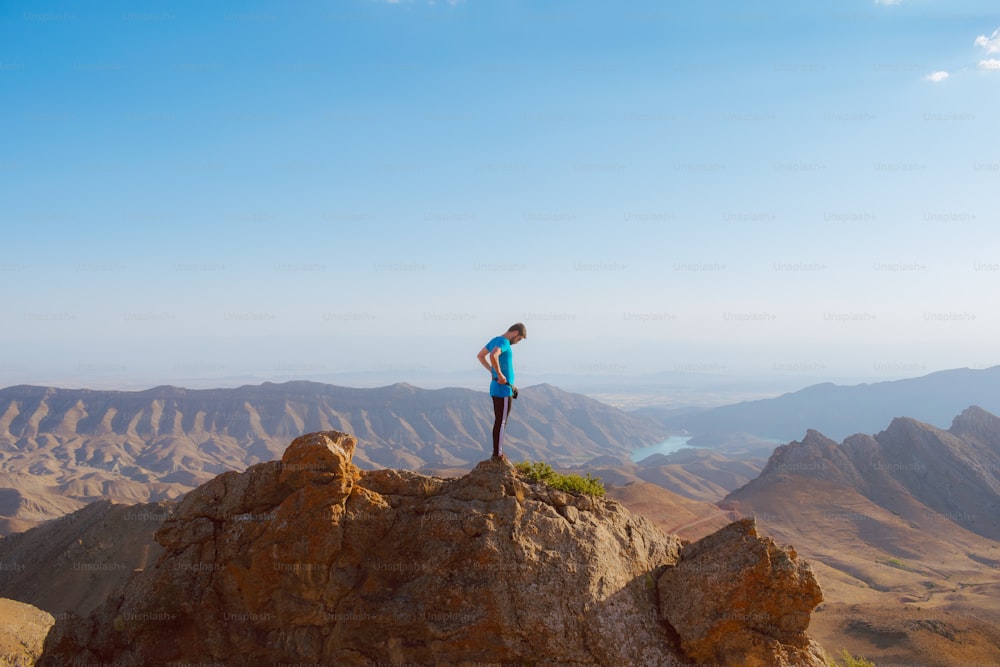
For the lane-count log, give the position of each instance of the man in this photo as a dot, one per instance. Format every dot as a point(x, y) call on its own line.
point(497, 358)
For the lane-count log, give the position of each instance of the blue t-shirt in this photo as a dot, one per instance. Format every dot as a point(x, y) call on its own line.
point(506, 363)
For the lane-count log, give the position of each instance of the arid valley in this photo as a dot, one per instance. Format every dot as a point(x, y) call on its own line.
point(901, 526)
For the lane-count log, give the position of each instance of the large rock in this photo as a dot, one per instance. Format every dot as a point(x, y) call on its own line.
point(320, 458)
point(310, 561)
point(736, 598)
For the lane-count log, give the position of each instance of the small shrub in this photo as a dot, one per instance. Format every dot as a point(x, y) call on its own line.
point(539, 471)
point(898, 564)
point(848, 660)
point(430, 487)
point(535, 471)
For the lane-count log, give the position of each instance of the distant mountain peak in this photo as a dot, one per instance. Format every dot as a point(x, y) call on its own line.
point(909, 424)
point(816, 439)
point(975, 421)
point(840, 411)
point(163, 391)
point(815, 456)
point(405, 386)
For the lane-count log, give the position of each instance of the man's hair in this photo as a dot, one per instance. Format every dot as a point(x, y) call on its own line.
point(519, 328)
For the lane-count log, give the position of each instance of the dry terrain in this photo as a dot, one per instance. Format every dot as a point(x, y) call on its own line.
point(63, 448)
point(901, 529)
point(72, 563)
point(22, 631)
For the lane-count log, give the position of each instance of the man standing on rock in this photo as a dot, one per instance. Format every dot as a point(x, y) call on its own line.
point(497, 358)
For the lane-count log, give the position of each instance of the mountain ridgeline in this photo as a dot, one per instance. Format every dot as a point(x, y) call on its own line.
point(840, 411)
point(63, 448)
point(911, 469)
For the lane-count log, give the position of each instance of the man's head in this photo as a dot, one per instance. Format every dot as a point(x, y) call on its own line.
point(516, 333)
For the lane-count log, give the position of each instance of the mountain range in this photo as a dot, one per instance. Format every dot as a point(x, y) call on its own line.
point(903, 527)
point(838, 411)
point(900, 527)
point(63, 448)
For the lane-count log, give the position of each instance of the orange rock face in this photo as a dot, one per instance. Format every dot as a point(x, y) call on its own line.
point(309, 560)
point(736, 598)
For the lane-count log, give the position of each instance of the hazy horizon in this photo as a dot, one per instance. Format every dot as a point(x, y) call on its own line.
point(684, 387)
point(756, 197)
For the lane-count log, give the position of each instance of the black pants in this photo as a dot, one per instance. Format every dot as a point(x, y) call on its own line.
point(501, 408)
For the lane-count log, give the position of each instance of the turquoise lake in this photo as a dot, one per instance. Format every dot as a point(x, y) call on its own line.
point(668, 446)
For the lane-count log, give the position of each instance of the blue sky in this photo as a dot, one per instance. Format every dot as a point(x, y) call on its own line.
point(203, 192)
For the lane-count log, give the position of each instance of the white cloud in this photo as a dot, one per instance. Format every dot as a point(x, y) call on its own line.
point(888, 2)
point(991, 43)
point(992, 64)
point(936, 77)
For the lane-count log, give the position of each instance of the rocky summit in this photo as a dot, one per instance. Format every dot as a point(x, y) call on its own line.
point(312, 560)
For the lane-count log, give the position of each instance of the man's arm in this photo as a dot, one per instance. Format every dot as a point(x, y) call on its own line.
point(493, 365)
point(483, 353)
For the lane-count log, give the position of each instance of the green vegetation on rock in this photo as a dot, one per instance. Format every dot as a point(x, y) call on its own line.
point(539, 471)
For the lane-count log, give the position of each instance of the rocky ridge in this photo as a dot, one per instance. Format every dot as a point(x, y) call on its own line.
point(911, 469)
point(310, 559)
